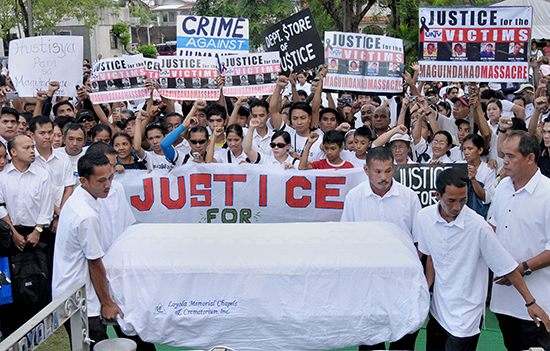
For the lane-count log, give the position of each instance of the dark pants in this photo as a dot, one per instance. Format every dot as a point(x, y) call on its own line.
point(405, 343)
point(98, 332)
point(438, 339)
point(520, 334)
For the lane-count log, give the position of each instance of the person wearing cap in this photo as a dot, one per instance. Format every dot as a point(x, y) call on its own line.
point(399, 142)
point(527, 91)
point(381, 198)
point(87, 118)
point(432, 95)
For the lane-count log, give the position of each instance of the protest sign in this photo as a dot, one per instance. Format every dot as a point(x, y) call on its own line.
point(226, 193)
point(252, 74)
point(188, 78)
point(297, 41)
point(421, 178)
point(212, 34)
point(361, 62)
point(119, 79)
point(474, 44)
point(36, 61)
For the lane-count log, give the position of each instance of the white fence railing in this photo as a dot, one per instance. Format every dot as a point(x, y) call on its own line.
point(70, 305)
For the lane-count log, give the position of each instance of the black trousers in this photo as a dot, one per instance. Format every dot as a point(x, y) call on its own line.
point(405, 343)
point(438, 339)
point(520, 334)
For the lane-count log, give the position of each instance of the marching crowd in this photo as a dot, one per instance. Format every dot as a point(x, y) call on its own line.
point(58, 157)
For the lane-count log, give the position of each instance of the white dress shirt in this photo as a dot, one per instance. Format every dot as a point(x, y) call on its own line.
point(399, 206)
point(522, 219)
point(299, 144)
point(60, 169)
point(74, 163)
point(461, 251)
point(222, 156)
point(28, 195)
point(261, 143)
point(78, 240)
point(115, 213)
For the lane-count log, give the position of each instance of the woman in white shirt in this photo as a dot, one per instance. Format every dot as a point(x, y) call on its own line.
point(436, 152)
point(480, 175)
point(280, 143)
point(234, 142)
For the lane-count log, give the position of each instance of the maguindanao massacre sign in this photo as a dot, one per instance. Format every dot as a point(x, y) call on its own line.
point(360, 62)
point(36, 61)
point(212, 34)
point(250, 75)
point(297, 41)
point(225, 193)
point(488, 44)
point(188, 78)
point(119, 79)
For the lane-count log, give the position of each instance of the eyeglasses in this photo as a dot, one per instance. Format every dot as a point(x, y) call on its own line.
point(442, 143)
point(201, 141)
point(279, 145)
point(398, 147)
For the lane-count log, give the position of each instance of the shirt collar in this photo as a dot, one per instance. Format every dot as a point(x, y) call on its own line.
point(529, 187)
point(88, 197)
point(392, 192)
point(458, 222)
point(10, 168)
point(52, 155)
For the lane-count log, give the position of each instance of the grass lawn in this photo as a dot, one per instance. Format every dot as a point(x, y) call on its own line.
point(490, 339)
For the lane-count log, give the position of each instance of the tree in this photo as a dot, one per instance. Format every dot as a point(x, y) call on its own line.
point(46, 14)
point(347, 14)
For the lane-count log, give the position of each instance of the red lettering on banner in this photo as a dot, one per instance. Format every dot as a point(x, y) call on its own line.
point(369, 55)
point(165, 193)
point(321, 192)
point(229, 179)
point(480, 35)
point(147, 202)
point(263, 190)
point(129, 73)
point(475, 71)
point(297, 182)
point(206, 180)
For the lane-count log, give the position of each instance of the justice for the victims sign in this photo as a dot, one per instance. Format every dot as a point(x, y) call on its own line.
point(488, 44)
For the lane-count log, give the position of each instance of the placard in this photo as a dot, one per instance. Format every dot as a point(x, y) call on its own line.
point(361, 62)
point(252, 74)
point(297, 41)
point(421, 178)
point(487, 44)
point(119, 79)
point(36, 61)
point(217, 34)
point(188, 78)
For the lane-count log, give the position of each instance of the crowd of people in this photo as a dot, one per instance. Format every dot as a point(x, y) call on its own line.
point(58, 157)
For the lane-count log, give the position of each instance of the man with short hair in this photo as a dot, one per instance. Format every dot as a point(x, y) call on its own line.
point(63, 108)
point(78, 248)
point(367, 112)
point(74, 138)
point(544, 161)
point(9, 119)
point(380, 121)
point(381, 198)
point(27, 206)
point(521, 216)
point(460, 247)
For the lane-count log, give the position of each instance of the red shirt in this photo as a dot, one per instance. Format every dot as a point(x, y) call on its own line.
point(323, 164)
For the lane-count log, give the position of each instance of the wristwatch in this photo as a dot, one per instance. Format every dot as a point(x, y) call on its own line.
point(526, 269)
point(39, 229)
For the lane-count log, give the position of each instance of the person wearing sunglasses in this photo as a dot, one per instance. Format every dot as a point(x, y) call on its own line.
point(280, 144)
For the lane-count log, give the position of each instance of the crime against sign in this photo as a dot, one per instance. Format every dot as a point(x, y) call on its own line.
point(221, 34)
point(488, 44)
point(297, 41)
point(36, 61)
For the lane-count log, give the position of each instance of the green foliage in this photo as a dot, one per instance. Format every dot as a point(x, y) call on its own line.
point(48, 13)
point(148, 51)
point(125, 39)
point(120, 28)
